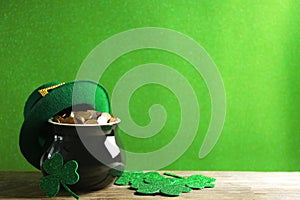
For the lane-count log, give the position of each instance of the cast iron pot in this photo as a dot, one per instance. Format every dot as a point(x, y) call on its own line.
point(93, 147)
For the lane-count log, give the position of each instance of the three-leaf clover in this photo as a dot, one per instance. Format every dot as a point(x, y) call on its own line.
point(150, 183)
point(59, 174)
point(166, 186)
point(130, 177)
point(199, 182)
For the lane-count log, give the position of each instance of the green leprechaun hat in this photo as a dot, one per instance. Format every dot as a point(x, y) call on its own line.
point(48, 100)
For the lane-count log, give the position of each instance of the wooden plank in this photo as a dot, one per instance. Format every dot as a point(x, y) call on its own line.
point(229, 185)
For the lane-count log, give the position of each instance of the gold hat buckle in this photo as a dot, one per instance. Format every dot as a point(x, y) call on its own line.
point(44, 91)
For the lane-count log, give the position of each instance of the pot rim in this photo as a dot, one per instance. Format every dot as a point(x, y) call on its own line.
point(83, 125)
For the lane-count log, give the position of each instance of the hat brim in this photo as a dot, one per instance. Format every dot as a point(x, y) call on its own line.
point(36, 130)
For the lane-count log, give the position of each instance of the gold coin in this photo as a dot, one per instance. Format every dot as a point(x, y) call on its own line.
point(112, 119)
point(83, 114)
point(91, 121)
point(69, 120)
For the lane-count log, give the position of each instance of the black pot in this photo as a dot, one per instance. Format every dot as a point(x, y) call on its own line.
point(94, 149)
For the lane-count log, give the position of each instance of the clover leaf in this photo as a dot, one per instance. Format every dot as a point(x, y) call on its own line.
point(129, 177)
point(150, 183)
point(174, 190)
point(200, 182)
point(166, 186)
point(153, 182)
point(59, 174)
point(148, 188)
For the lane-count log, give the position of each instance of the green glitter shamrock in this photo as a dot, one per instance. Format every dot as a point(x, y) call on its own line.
point(158, 183)
point(200, 182)
point(59, 174)
point(166, 186)
point(195, 181)
point(150, 183)
point(129, 177)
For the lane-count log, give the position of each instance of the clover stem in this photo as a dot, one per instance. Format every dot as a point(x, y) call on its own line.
point(173, 175)
point(71, 192)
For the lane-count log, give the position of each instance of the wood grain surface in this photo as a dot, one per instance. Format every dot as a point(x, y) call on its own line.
point(229, 185)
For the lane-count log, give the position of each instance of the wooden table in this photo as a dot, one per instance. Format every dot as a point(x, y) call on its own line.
point(229, 185)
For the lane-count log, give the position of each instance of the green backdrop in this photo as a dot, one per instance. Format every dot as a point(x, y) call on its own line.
point(255, 44)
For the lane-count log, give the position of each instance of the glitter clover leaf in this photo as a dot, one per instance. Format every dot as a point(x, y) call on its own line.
point(174, 190)
point(127, 178)
point(59, 174)
point(166, 186)
point(151, 183)
point(200, 182)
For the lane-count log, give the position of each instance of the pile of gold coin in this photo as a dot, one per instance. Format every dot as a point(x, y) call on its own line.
point(85, 117)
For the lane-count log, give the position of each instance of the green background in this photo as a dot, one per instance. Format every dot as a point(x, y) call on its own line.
point(255, 45)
